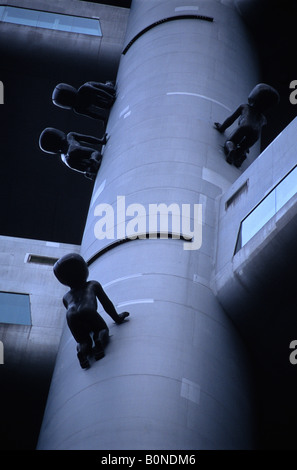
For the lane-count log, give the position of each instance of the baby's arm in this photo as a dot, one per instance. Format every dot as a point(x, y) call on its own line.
point(87, 140)
point(106, 88)
point(65, 301)
point(108, 305)
point(229, 120)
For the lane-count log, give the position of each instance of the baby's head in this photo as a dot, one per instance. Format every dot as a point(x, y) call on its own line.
point(71, 270)
point(64, 96)
point(263, 97)
point(52, 140)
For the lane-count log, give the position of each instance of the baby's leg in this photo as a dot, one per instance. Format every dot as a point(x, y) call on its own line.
point(230, 150)
point(101, 339)
point(84, 349)
point(100, 335)
point(234, 145)
point(81, 333)
point(104, 100)
point(96, 158)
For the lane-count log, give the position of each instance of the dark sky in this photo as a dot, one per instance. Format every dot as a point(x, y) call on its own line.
point(273, 27)
point(40, 197)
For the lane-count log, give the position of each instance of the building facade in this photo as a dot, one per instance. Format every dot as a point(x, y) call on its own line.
point(31, 322)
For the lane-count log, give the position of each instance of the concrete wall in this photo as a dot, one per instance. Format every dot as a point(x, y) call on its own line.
point(29, 350)
point(176, 375)
point(257, 287)
point(77, 50)
point(244, 277)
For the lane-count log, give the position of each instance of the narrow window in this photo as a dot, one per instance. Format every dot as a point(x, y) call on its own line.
point(49, 20)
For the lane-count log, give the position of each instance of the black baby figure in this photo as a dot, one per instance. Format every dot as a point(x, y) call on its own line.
point(86, 325)
point(250, 122)
point(78, 151)
point(92, 99)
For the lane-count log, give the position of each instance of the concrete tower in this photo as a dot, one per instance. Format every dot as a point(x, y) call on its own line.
point(176, 374)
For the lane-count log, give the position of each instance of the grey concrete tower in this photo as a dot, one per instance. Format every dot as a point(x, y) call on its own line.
point(176, 374)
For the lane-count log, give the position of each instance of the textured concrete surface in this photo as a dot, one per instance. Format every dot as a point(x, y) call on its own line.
point(29, 350)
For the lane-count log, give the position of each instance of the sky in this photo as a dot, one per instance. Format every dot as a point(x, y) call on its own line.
point(42, 199)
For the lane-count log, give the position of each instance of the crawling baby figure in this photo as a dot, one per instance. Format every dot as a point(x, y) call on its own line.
point(86, 325)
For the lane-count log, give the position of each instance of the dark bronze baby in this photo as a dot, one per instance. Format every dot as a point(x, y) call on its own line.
point(250, 122)
point(86, 325)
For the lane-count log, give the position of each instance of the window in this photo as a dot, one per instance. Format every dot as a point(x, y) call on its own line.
point(15, 308)
point(56, 21)
point(39, 259)
point(236, 195)
point(267, 208)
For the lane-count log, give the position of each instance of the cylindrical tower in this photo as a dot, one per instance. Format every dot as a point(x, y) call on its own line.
point(175, 375)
